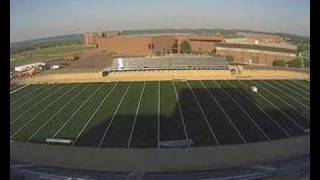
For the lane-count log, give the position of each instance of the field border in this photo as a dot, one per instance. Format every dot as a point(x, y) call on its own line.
point(160, 160)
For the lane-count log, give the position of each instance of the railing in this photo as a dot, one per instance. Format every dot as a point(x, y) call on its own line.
point(259, 67)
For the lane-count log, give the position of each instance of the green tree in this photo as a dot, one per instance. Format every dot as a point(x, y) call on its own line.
point(294, 63)
point(229, 58)
point(185, 47)
point(279, 63)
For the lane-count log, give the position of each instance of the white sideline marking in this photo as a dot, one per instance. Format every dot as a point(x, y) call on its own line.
point(13, 121)
point(203, 114)
point(44, 109)
point(136, 114)
point(270, 85)
point(94, 113)
point(180, 110)
point(31, 99)
point(114, 114)
point(158, 128)
point(293, 108)
point(296, 87)
point(301, 86)
point(16, 90)
point(74, 113)
point(54, 115)
point(221, 108)
point(14, 102)
point(289, 117)
point(259, 107)
point(244, 111)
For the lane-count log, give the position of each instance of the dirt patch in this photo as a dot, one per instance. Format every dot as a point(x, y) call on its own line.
point(89, 60)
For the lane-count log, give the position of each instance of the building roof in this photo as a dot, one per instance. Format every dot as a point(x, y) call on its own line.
point(256, 47)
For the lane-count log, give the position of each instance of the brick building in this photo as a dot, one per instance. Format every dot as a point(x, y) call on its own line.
point(144, 45)
point(255, 54)
point(156, 44)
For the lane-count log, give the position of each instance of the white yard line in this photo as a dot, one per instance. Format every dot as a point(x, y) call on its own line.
point(283, 92)
point(136, 115)
point(42, 110)
point(26, 95)
point(31, 99)
point(296, 87)
point(93, 114)
point(204, 115)
point(114, 114)
point(261, 109)
point(290, 118)
point(224, 112)
point(56, 113)
point(34, 105)
point(74, 113)
point(244, 111)
point(159, 108)
point(16, 90)
point(180, 110)
point(300, 86)
point(278, 97)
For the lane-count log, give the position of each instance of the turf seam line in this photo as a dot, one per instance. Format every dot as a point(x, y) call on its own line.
point(284, 92)
point(42, 110)
point(224, 112)
point(292, 84)
point(289, 117)
point(135, 116)
point(31, 99)
point(57, 112)
point(180, 110)
point(284, 101)
point(16, 90)
point(94, 113)
point(261, 109)
point(79, 108)
point(203, 114)
point(26, 95)
point(158, 119)
point(305, 88)
point(297, 90)
point(114, 114)
point(245, 112)
point(34, 105)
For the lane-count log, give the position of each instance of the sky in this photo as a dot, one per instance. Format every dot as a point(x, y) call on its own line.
point(32, 19)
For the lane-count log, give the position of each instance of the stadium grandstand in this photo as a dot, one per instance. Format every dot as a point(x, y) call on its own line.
point(167, 63)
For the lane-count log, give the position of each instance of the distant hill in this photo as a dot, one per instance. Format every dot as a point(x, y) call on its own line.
point(17, 47)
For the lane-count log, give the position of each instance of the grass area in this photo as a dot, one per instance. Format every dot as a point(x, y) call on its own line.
point(141, 114)
point(44, 54)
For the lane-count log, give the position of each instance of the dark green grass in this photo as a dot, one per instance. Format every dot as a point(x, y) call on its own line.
point(195, 123)
point(98, 125)
point(56, 123)
point(171, 126)
point(48, 114)
point(249, 132)
point(76, 123)
point(36, 115)
point(144, 135)
point(119, 132)
point(295, 113)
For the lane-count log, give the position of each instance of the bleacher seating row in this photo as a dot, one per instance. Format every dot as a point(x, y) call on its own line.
point(168, 63)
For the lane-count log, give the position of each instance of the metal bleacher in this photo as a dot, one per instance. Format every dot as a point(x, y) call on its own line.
point(167, 63)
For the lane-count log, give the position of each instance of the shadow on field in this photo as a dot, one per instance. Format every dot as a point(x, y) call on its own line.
point(145, 132)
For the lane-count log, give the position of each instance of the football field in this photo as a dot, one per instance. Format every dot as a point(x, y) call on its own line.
point(143, 114)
